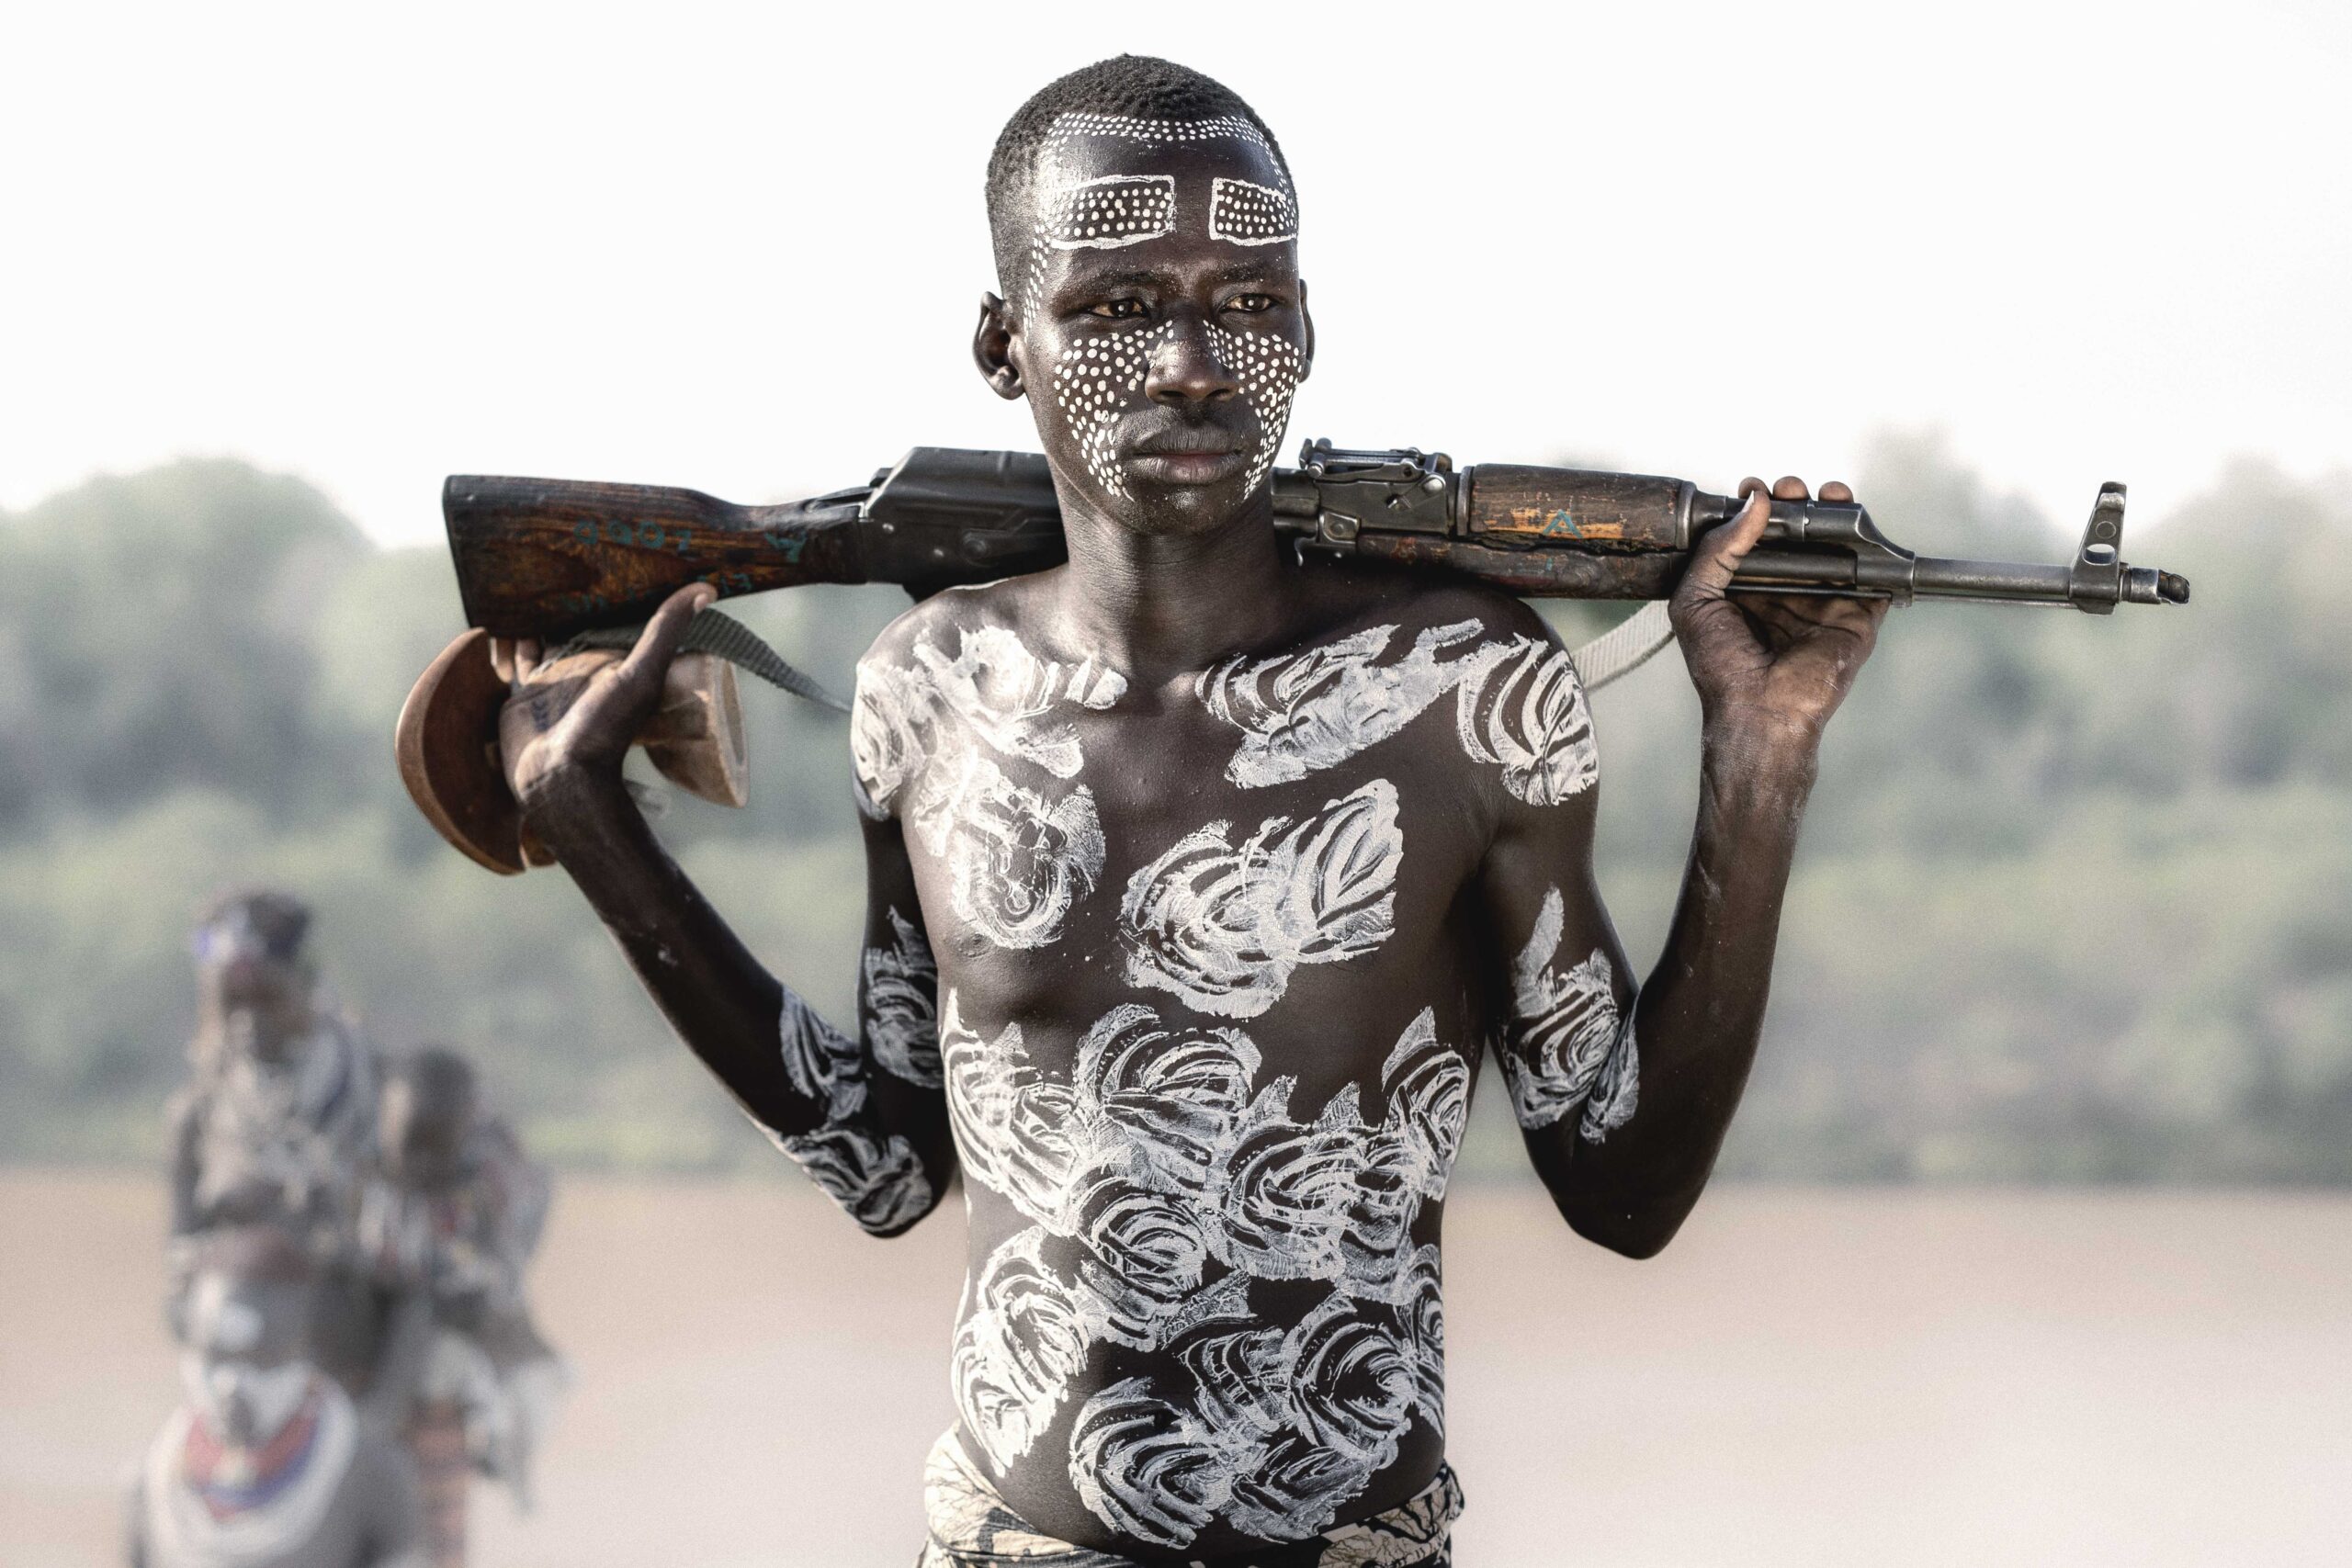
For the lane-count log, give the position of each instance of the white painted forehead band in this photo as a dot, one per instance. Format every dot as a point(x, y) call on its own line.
point(1125, 209)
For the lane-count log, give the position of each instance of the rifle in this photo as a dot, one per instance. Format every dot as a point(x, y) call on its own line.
point(567, 561)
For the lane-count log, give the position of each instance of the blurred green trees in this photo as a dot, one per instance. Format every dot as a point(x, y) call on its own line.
point(2075, 900)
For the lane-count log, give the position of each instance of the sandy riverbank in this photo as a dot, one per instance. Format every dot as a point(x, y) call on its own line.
point(1863, 1377)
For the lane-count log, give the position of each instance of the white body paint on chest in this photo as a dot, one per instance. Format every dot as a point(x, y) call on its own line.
point(1223, 926)
point(1016, 859)
point(1519, 706)
point(1159, 1185)
point(1302, 712)
point(923, 737)
point(1566, 1043)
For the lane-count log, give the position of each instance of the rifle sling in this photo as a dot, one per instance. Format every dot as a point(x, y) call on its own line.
point(722, 637)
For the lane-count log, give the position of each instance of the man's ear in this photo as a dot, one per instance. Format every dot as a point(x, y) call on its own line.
point(1306, 357)
point(992, 350)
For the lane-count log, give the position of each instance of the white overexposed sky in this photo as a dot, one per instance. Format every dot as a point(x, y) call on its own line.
point(740, 247)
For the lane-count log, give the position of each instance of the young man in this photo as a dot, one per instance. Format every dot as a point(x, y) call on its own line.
point(268, 1464)
point(1198, 878)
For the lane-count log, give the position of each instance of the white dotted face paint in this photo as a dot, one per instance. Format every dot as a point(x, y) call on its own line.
point(1118, 210)
point(1267, 369)
point(1098, 379)
point(1056, 189)
point(1244, 213)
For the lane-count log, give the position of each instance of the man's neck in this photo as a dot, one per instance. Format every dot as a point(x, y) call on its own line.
point(1160, 607)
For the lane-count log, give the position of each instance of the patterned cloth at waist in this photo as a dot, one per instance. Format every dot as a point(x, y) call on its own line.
point(972, 1527)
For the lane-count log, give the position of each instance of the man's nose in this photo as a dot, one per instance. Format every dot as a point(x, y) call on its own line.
point(1187, 368)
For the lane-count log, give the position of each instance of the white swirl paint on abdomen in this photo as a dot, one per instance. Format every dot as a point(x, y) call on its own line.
point(1173, 1185)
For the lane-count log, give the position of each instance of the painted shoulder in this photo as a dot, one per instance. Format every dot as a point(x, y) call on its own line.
point(938, 617)
point(1520, 707)
point(1441, 600)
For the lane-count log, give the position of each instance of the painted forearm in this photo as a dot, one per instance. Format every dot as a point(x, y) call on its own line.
point(807, 1084)
point(1700, 1015)
point(720, 1000)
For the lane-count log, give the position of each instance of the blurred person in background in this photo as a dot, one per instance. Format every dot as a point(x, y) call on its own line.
point(278, 1121)
point(274, 1123)
point(449, 1218)
point(267, 1462)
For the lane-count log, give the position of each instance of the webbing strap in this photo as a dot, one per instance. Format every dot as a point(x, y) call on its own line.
point(1625, 646)
point(722, 637)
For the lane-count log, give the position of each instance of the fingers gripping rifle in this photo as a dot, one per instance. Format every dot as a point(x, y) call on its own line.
point(566, 561)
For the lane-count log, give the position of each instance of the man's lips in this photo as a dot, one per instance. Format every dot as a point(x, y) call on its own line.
point(1189, 467)
point(1189, 457)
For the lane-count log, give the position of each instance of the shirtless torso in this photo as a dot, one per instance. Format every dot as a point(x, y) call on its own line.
point(1198, 879)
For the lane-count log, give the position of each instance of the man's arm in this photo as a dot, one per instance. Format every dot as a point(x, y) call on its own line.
point(1624, 1097)
point(876, 1141)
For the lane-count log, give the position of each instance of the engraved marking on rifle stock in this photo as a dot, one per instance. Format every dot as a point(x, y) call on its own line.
point(1555, 523)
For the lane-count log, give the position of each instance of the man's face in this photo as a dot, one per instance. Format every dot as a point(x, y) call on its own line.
point(263, 1005)
point(1160, 327)
point(242, 1364)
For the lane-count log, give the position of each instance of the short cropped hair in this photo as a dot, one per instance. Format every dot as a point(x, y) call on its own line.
point(1137, 85)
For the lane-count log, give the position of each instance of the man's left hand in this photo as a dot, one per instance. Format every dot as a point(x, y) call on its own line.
point(1769, 667)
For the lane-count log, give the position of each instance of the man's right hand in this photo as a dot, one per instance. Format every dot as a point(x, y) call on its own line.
point(559, 727)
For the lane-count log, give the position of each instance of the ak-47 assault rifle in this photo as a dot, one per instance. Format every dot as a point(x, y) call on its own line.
point(566, 562)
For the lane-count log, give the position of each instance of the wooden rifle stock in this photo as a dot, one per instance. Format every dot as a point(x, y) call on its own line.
point(549, 558)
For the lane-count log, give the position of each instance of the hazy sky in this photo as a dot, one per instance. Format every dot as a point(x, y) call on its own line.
point(740, 248)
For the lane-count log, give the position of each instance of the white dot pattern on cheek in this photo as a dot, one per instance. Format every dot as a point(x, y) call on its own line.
point(1266, 367)
point(1242, 213)
point(1097, 379)
point(1119, 210)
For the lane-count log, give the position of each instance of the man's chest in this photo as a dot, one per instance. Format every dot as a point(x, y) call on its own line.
point(1136, 848)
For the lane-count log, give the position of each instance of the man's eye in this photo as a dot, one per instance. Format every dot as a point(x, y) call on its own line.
point(1250, 304)
point(1119, 310)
